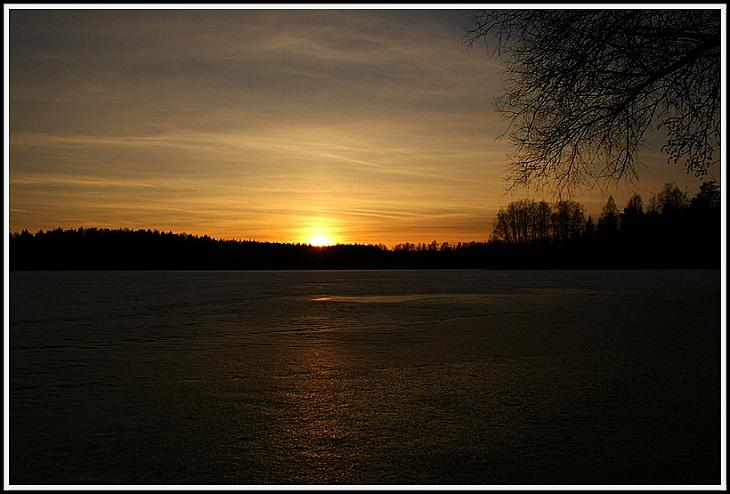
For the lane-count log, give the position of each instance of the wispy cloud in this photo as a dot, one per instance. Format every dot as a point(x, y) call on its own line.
point(255, 123)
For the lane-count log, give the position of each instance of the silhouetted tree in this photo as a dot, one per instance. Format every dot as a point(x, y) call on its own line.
point(523, 221)
point(708, 198)
point(705, 218)
point(634, 206)
point(542, 218)
point(590, 229)
point(632, 217)
point(568, 221)
point(527, 221)
point(669, 202)
point(584, 86)
point(608, 222)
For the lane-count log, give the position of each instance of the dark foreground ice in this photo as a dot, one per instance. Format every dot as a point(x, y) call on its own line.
point(377, 377)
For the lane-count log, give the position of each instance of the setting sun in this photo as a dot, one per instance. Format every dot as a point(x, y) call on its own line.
point(320, 240)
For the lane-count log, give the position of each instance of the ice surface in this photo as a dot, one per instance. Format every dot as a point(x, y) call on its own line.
point(377, 377)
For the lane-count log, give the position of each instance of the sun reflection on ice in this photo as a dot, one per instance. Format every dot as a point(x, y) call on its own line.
point(318, 392)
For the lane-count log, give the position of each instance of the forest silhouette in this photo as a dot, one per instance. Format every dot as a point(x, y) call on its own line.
point(673, 231)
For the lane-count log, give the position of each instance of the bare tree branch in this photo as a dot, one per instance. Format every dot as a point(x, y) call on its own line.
point(585, 86)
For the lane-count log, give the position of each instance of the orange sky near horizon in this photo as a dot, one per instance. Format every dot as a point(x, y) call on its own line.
point(322, 126)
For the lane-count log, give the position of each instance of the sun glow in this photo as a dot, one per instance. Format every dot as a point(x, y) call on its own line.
point(319, 232)
point(320, 240)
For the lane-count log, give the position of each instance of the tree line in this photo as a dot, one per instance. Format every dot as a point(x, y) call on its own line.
point(673, 230)
point(126, 249)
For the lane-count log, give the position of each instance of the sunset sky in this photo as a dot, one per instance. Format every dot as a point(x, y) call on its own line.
point(348, 125)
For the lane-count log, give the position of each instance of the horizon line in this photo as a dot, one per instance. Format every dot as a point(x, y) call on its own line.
point(18, 231)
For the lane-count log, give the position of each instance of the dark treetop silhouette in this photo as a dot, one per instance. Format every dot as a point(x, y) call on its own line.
point(585, 86)
point(673, 232)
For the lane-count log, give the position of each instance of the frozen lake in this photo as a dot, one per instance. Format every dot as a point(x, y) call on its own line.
point(377, 377)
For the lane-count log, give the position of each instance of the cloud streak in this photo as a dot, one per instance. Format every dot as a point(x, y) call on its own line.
point(255, 124)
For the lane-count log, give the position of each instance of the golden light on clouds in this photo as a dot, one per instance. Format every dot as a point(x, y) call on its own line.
point(347, 126)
